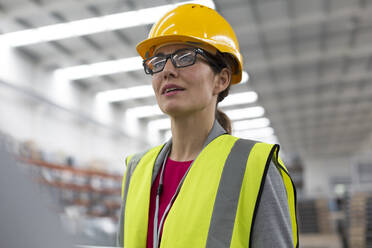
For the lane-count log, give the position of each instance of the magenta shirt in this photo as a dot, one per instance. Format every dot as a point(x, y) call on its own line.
point(173, 173)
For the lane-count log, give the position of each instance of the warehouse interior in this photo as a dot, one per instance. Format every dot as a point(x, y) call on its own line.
point(75, 102)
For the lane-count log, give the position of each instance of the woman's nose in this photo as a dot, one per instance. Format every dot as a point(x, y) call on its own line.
point(169, 69)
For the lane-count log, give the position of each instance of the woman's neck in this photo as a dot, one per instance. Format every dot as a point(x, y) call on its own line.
point(189, 134)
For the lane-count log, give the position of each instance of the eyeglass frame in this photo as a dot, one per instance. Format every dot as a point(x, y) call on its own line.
point(209, 58)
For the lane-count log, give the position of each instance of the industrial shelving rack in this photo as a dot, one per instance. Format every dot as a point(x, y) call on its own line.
point(95, 193)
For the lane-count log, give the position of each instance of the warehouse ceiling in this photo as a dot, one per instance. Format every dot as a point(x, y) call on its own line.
point(310, 62)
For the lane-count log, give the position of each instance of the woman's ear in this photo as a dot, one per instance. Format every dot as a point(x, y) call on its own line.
point(223, 80)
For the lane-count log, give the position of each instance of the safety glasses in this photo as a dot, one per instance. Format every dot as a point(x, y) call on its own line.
point(181, 58)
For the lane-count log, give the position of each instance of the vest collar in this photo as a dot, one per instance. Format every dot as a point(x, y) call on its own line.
point(216, 131)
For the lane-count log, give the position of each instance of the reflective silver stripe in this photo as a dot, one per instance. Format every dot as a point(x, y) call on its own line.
point(227, 198)
point(130, 169)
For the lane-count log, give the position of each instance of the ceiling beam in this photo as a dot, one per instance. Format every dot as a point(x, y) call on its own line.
point(313, 19)
point(296, 89)
point(86, 53)
point(311, 57)
point(29, 9)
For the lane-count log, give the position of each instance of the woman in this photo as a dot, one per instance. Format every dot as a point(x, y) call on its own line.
point(204, 187)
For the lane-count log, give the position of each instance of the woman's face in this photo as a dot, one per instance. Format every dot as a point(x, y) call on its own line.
point(184, 91)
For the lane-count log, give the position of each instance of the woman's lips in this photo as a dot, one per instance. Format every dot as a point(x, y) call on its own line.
point(172, 92)
point(169, 88)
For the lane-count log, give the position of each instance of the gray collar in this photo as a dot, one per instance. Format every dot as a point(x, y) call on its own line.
point(216, 131)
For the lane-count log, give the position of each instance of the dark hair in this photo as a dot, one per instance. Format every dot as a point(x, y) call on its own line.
point(222, 60)
point(224, 120)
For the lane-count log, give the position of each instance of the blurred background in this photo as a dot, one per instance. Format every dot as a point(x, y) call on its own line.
point(74, 102)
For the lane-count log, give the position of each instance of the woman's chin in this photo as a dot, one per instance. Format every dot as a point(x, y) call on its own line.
point(174, 111)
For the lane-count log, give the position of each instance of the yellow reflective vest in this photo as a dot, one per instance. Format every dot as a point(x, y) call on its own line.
point(218, 200)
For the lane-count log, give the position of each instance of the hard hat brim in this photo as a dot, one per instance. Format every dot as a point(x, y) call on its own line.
point(147, 47)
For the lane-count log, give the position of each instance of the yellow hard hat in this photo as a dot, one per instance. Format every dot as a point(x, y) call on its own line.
point(196, 25)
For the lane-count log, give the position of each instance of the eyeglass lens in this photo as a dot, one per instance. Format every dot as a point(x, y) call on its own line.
point(180, 58)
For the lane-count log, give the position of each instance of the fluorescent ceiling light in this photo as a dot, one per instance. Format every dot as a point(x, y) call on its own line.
point(239, 98)
point(100, 69)
point(271, 139)
point(162, 124)
point(92, 25)
point(245, 113)
point(251, 124)
point(105, 68)
point(145, 111)
point(126, 93)
point(167, 134)
point(265, 134)
point(245, 77)
point(153, 110)
point(255, 133)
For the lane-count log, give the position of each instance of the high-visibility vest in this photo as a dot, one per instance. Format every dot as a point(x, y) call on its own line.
point(217, 203)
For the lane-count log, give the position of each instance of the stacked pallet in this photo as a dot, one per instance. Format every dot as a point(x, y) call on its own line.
point(360, 220)
point(324, 218)
point(314, 216)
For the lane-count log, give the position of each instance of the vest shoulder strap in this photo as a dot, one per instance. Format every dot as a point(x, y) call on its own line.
point(131, 163)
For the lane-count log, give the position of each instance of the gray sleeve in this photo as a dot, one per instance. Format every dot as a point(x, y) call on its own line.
point(272, 227)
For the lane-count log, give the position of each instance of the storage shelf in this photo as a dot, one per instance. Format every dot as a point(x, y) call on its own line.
point(81, 188)
point(82, 172)
point(93, 193)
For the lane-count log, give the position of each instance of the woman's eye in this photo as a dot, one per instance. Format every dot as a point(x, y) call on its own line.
point(185, 58)
point(156, 65)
